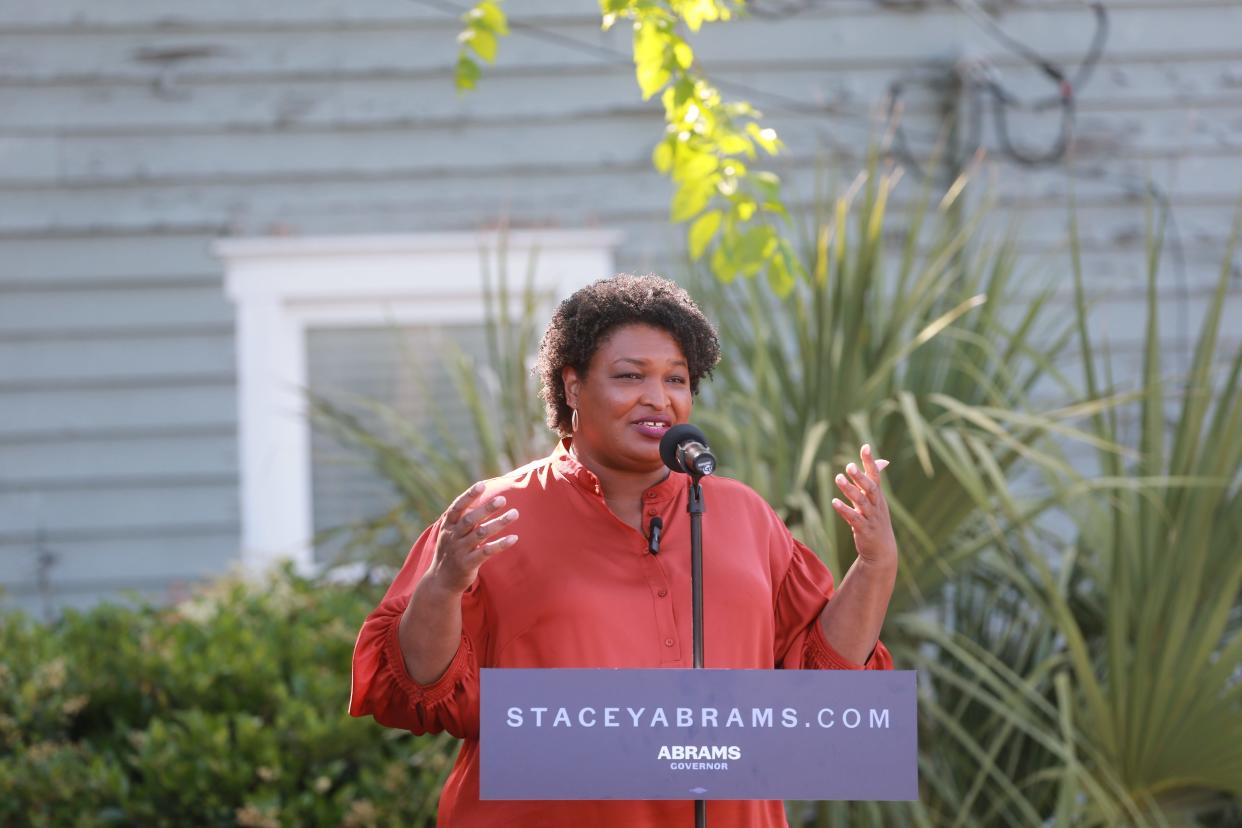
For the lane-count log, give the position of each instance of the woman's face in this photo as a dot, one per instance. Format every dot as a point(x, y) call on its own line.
point(637, 386)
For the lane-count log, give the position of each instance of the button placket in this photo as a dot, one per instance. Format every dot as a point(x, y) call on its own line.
point(662, 606)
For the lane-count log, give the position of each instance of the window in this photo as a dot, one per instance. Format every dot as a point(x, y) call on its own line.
point(307, 303)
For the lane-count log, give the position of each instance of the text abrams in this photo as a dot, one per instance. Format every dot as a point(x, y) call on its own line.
point(704, 753)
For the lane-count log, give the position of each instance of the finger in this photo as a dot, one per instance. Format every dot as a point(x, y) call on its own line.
point(491, 527)
point(862, 481)
point(472, 518)
point(851, 491)
point(463, 500)
point(481, 553)
point(868, 459)
point(498, 545)
point(853, 518)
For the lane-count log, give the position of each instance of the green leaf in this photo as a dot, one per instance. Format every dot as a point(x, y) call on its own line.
point(753, 248)
point(780, 277)
point(691, 198)
point(466, 75)
point(683, 54)
point(732, 143)
point(694, 166)
point(702, 232)
point(765, 137)
point(662, 156)
point(683, 91)
point(490, 16)
point(769, 185)
point(651, 58)
point(722, 264)
point(481, 41)
point(696, 12)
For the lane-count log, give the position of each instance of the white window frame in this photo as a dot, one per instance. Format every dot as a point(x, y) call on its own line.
point(282, 286)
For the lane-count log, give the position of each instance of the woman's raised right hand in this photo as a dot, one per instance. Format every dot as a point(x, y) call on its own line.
point(463, 543)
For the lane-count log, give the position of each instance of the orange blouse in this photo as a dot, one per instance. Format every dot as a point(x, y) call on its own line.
point(581, 589)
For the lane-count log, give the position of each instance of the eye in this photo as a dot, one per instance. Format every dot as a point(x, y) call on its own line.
point(678, 380)
point(629, 375)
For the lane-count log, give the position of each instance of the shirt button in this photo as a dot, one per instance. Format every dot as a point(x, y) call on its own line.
point(668, 642)
point(651, 495)
point(662, 593)
point(653, 512)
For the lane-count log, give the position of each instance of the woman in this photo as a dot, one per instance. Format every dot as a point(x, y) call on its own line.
point(551, 564)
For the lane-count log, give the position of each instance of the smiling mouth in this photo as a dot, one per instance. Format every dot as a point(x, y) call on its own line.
point(652, 423)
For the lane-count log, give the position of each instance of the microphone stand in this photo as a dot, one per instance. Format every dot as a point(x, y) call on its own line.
point(695, 507)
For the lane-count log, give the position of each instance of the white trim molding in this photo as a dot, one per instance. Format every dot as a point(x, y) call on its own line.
point(282, 286)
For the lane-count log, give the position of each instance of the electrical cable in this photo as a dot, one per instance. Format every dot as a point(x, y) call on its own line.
point(1067, 87)
point(976, 78)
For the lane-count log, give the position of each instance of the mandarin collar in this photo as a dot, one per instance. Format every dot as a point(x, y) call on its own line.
point(568, 466)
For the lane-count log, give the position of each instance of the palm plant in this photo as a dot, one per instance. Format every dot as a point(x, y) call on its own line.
point(932, 360)
point(1153, 627)
point(922, 360)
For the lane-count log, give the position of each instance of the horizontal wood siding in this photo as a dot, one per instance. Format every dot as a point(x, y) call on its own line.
point(135, 133)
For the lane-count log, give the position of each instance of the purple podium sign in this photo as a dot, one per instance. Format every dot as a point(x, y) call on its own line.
point(698, 734)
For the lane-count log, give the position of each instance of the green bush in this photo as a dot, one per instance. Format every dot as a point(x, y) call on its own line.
point(229, 709)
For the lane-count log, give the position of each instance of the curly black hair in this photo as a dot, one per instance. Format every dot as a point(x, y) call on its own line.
point(584, 320)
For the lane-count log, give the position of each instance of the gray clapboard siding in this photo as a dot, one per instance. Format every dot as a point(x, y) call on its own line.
point(117, 507)
point(110, 566)
point(29, 311)
point(116, 360)
point(1149, 133)
point(160, 259)
point(427, 45)
point(342, 100)
point(1112, 208)
point(72, 412)
point(143, 14)
point(119, 459)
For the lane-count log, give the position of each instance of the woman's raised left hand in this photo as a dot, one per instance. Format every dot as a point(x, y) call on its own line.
point(867, 514)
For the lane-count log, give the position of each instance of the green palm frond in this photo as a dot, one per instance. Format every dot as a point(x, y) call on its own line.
point(1154, 633)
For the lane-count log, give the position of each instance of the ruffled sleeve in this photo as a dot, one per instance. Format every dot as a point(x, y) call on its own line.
point(381, 686)
point(804, 591)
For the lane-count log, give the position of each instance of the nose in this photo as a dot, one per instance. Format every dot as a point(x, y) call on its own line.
point(655, 394)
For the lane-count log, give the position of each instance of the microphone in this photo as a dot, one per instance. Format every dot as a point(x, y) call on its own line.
point(653, 534)
point(683, 448)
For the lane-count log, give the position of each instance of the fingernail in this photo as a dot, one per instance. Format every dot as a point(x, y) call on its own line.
point(881, 464)
point(851, 468)
point(498, 502)
point(512, 513)
point(510, 540)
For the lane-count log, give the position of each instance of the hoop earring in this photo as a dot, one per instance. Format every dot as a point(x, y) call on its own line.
point(573, 421)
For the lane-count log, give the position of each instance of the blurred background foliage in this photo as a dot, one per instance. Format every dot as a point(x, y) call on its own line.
point(228, 709)
point(1069, 588)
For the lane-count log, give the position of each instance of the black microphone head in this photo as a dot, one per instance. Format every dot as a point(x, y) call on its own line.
point(673, 438)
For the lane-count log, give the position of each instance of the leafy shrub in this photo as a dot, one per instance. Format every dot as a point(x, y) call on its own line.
point(229, 709)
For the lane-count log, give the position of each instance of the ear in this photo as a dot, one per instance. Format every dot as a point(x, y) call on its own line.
point(572, 384)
